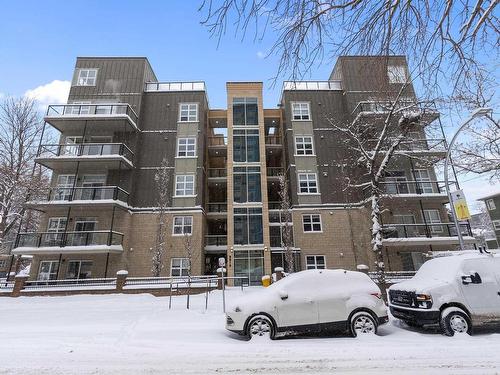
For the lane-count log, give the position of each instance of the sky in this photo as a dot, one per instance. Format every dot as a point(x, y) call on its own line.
point(40, 41)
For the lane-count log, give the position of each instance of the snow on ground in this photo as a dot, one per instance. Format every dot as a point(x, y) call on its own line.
point(138, 334)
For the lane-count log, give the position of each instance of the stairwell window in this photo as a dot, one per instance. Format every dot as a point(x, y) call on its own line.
point(188, 112)
point(182, 225)
point(86, 77)
point(184, 185)
point(315, 262)
point(186, 147)
point(496, 224)
point(308, 183)
point(304, 146)
point(490, 204)
point(300, 111)
point(311, 223)
point(179, 267)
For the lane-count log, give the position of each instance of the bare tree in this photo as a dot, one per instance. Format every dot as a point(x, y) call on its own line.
point(286, 220)
point(20, 133)
point(192, 256)
point(162, 180)
point(451, 39)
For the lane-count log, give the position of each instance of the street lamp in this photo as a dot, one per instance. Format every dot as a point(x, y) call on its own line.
point(479, 112)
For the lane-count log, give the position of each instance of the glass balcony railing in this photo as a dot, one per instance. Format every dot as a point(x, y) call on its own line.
point(424, 230)
point(403, 187)
point(217, 172)
point(175, 86)
point(216, 140)
point(217, 207)
point(274, 171)
point(87, 194)
point(62, 239)
point(85, 110)
point(85, 149)
point(215, 240)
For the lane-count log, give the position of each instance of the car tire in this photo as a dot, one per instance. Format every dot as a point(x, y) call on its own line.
point(260, 326)
point(455, 320)
point(363, 323)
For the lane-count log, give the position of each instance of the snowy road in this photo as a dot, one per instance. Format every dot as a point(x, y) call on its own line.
point(137, 334)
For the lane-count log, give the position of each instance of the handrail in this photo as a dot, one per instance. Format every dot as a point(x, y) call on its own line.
point(423, 230)
point(92, 109)
point(89, 193)
point(69, 238)
point(408, 187)
point(86, 149)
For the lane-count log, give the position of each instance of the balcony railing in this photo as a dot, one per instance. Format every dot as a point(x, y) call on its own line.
point(87, 194)
point(62, 239)
point(86, 149)
point(402, 187)
point(273, 140)
point(84, 110)
point(414, 145)
point(274, 171)
point(312, 85)
point(217, 140)
point(174, 86)
point(424, 230)
point(215, 240)
point(274, 205)
point(217, 172)
point(217, 207)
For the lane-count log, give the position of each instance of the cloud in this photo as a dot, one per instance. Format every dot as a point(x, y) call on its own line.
point(261, 54)
point(55, 92)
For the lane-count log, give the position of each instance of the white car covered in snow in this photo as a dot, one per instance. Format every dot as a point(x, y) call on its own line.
point(311, 301)
point(458, 292)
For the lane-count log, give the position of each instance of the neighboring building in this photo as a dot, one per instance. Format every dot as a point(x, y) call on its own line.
point(492, 203)
point(120, 123)
point(483, 231)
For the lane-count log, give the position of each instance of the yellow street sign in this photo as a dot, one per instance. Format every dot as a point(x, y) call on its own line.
point(460, 205)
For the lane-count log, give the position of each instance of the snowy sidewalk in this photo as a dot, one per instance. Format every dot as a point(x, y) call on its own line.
point(137, 334)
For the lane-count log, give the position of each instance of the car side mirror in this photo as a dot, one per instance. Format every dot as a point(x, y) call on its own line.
point(471, 279)
point(466, 280)
point(283, 295)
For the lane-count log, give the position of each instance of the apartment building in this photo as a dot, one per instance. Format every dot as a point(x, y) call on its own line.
point(121, 123)
point(492, 202)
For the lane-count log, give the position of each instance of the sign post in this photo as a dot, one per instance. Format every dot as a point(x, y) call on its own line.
point(222, 264)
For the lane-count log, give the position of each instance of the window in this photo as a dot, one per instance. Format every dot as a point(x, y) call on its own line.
point(48, 270)
point(79, 269)
point(422, 177)
point(246, 184)
point(307, 183)
point(86, 77)
point(55, 228)
point(248, 226)
point(245, 112)
point(78, 109)
point(395, 183)
point(490, 204)
point(311, 223)
point(184, 185)
point(496, 224)
point(406, 227)
point(183, 225)
point(315, 262)
point(3, 263)
point(246, 145)
point(179, 267)
point(396, 73)
point(304, 146)
point(431, 217)
point(300, 111)
point(64, 186)
point(186, 147)
point(188, 112)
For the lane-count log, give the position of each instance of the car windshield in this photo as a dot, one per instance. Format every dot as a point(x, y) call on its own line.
point(445, 269)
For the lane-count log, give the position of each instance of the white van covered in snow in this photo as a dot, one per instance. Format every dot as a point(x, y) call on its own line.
point(458, 292)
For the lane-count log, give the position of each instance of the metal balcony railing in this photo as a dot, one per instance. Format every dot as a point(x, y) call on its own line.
point(217, 172)
point(87, 193)
point(85, 149)
point(215, 240)
point(85, 110)
point(217, 207)
point(175, 86)
point(62, 239)
point(273, 140)
point(274, 205)
point(274, 171)
point(424, 230)
point(403, 187)
point(215, 140)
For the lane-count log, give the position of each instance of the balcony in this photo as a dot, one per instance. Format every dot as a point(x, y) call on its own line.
point(380, 109)
point(274, 205)
point(88, 242)
point(215, 242)
point(312, 85)
point(82, 196)
point(174, 86)
point(424, 234)
point(89, 155)
point(273, 173)
point(415, 189)
point(217, 209)
point(217, 145)
point(113, 117)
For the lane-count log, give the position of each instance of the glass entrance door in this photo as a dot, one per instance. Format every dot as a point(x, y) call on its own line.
point(249, 263)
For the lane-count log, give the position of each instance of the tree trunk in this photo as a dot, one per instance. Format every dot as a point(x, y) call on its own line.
point(377, 241)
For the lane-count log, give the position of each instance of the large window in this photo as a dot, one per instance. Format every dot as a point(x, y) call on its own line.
point(250, 264)
point(188, 112)
point(79, 269)
point(48, 270)
point(86, 77)
point(246, 184)
point(308, 183)
point(311, 223)
point(304, 146)
point(300, 111)
point(246, 145)
point(186, 147)
point(423, 179)
point(396, 183)
point(248, 226)
point(315, 262)
point(179, 267)
point(490, 204)
point(396, 73)
point(245, 111)
point(431, 217)
point(183, 225)
point(184, 185)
